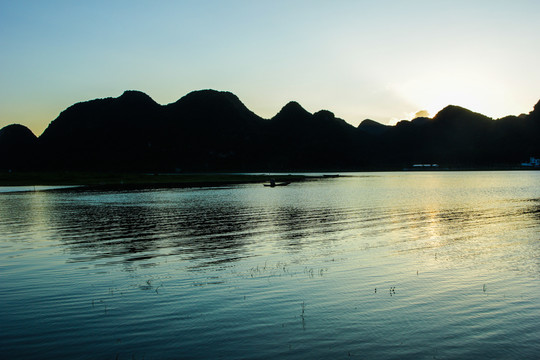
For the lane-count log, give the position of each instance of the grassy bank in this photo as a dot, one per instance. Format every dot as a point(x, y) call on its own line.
point(135, 180)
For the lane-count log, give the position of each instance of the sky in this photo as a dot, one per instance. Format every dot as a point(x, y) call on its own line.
point(384, 60)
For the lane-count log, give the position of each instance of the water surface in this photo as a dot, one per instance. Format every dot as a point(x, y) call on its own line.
point(415, 265)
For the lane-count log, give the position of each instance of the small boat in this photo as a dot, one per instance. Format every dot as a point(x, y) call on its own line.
point(273, 183)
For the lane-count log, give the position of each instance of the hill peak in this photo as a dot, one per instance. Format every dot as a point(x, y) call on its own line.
point(292, 110)
point(372, 127)
point(369, 122)
point(292, 106)
point(325, 114)
point(135, 96)
point(455, 113)
point(452, 110)
point(201, 99)
point(219, 108)
point(209, 94)
point(16, 134)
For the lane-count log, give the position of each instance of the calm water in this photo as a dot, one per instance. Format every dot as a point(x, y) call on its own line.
point(384, 265)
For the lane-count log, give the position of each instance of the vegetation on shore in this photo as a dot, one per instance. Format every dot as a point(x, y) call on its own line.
point(137, 180)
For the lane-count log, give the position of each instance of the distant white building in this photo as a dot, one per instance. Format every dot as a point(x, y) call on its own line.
point(533, 162)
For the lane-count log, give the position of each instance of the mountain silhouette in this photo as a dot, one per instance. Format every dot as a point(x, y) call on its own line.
point(17, 147)
point(372, 127)
point(17, 135)
point(211, 130)
point(300, 140)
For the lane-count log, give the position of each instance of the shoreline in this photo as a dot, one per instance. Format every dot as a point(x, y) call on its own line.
point(133, 181)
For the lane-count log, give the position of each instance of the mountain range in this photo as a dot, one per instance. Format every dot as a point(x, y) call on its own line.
point(211, 130)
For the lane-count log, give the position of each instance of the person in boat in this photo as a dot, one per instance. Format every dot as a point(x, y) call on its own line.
point(272, 182)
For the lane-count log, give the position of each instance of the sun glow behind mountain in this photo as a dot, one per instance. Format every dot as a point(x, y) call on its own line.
point(476, 93)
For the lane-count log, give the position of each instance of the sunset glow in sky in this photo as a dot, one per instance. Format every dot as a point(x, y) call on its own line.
point(384, 60)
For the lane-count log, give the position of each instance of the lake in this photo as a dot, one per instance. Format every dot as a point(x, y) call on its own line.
point(404, 265)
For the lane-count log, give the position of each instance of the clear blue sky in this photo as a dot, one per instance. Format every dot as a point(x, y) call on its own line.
point(383, 60)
